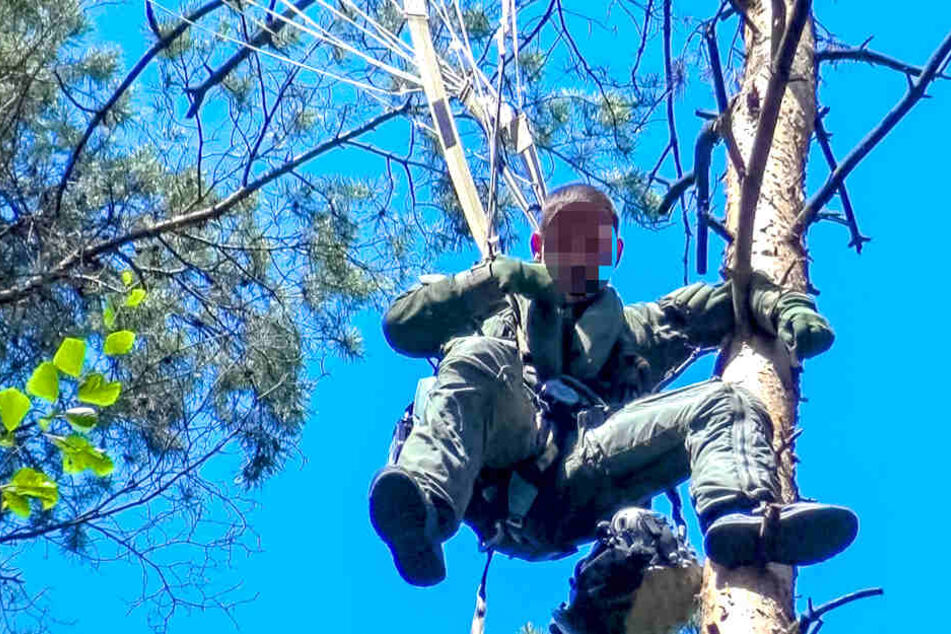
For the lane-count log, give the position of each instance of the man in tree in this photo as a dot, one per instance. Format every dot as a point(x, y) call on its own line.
point(543, 421)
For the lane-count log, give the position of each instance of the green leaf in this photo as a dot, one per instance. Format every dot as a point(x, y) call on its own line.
point(79, 455)
point(16, 503)
point(44, 422)
point(14, 405)
point(135, 297)
point(44, 382)
point(97, 391)
point(82, 419)
point(119, 343)
point(127, 278)
point(7, 439)
point(69, 357)
point(109, 316)
point(29, 483)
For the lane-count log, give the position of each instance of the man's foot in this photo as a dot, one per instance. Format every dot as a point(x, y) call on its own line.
point(405, 519)
point(798, 535)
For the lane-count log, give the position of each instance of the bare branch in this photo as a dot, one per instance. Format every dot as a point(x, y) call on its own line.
point(701, 168)
point(677, 189)
point(916, 90)
point(643, 44)
point(766, 126)
point(669, 77)
point(862, 54)
point(824, 142)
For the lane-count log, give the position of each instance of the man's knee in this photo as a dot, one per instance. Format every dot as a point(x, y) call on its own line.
point(735, 399)
point(491, 357)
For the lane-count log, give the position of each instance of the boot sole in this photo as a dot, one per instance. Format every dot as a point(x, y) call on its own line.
point(805, 536)
point(398, 514)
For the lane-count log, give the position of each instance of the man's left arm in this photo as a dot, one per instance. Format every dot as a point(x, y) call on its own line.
point(704, 313)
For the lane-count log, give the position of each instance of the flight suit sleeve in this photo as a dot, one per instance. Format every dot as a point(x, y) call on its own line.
point(421, 320)
point(701, 316)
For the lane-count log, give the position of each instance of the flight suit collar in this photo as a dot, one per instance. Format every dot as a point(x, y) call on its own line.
point(593, 336)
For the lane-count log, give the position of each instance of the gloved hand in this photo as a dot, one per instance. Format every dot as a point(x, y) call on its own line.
point(530, 279)
point(806, 332)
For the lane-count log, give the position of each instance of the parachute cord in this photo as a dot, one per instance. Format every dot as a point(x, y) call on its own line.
point(496, 133)
point(519, 97)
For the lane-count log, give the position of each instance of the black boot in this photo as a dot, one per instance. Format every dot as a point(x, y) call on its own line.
point(406, 519)
point(796, 534)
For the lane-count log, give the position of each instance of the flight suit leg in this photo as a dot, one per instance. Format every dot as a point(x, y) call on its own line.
point(479, 413)
point(716, 433)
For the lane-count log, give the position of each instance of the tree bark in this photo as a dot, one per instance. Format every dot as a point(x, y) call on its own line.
point(756, 600)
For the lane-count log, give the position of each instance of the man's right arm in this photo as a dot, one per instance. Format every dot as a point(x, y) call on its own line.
point(421, 320)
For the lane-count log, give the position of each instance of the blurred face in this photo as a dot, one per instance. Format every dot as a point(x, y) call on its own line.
point(580, 249)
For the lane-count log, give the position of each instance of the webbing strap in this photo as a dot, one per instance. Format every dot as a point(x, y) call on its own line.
point(417, 16)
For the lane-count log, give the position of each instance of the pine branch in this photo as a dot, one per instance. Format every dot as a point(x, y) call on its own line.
point(915, 92)
point(159, 46)
point(200, 216)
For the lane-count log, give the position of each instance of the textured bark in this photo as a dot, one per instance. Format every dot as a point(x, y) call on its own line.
point(760, 600)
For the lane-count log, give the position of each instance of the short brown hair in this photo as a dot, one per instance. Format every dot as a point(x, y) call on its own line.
point(573, 193)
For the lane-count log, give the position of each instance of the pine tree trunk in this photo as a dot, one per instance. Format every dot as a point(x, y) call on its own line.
point(755, 600)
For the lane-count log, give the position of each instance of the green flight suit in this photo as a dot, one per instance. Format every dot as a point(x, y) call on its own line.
point(481, 418)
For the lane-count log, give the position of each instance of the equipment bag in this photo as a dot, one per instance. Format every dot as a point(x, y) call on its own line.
point(640, 577)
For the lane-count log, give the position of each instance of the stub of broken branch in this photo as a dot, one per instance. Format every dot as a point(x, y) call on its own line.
point(813, 616)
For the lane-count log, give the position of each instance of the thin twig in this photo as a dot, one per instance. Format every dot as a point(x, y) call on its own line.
point(862, 54)
point(824, 142)
point(916, 90)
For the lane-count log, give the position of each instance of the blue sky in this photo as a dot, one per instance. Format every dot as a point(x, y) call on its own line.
point(876, 427)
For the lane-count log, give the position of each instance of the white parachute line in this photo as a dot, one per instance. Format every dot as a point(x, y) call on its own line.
point(446, 70)
point(376, 25)
point(392, 42)
point(465, 36)
point(515, 52)
point(321, 34)
point(462, 50)
point(287, 60)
